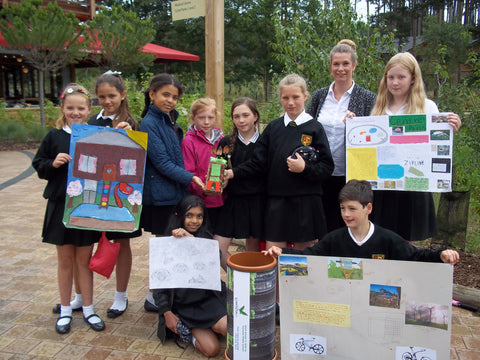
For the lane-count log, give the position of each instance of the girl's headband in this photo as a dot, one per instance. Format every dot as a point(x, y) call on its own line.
point(110, 72)
point(71, 90)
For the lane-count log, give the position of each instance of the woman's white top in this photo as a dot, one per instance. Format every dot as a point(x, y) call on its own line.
point(331, 116)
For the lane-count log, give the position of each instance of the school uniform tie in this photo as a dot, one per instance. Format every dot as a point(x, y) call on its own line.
point(292, 123)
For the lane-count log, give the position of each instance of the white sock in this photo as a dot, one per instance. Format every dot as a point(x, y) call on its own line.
point(77, 302)
point(65, 311)
point(194, 340)
point(87, 311)
point(119, 301)
point(150, 298)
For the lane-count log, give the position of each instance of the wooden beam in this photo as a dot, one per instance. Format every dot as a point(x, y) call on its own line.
point(82, 10)
point(467, 295)
point(214, 54)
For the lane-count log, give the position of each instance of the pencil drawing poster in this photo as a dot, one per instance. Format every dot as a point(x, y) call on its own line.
point(187, 262)
point(105, 178)
point(401, 152)
point(395, 310)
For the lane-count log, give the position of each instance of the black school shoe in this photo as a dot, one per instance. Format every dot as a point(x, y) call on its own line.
point(56, 309)
point(148, 306)
point(114, 313)
point(63, 329)
point(97, 326)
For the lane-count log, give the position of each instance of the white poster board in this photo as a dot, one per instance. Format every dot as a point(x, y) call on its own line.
point(187, 262)
point(337, 308)
point(401, 152)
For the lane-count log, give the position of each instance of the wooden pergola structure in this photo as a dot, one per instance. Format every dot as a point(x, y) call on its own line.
point(18, 81)
point(83, 9)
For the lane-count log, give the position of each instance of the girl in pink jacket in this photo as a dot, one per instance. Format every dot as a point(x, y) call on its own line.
point(200, 143)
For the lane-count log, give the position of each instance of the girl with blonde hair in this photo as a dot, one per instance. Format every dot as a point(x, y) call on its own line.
point(408, 213)
point(415, 101)
point(74, 247)
point(200, 143)
point(294, 210)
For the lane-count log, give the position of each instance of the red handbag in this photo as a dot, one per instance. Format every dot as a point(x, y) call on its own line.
point(104, 259)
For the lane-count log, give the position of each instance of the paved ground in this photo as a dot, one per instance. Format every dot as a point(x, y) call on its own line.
point(28, 290)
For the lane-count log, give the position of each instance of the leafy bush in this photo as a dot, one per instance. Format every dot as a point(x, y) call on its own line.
point(36, 132)
point(464, 99)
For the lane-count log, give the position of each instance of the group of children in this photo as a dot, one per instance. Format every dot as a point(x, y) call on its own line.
point(273, 191)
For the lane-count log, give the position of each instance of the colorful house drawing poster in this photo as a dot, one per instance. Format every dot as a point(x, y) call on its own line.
point(401, 152)
point(105, 178)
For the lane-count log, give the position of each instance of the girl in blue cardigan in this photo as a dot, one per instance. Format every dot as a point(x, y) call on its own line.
point(166, 180)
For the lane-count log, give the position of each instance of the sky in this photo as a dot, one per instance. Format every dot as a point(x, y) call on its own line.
point(362, 9)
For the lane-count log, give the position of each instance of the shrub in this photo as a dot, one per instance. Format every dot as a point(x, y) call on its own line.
point(12, 131)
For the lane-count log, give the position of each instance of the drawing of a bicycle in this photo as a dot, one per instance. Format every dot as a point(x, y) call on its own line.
point(302, 344)
point(413, 355)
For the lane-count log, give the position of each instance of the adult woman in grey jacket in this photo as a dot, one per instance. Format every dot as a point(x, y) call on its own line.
point(330, 106)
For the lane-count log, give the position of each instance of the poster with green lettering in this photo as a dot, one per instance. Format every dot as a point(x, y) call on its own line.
point(401, 152)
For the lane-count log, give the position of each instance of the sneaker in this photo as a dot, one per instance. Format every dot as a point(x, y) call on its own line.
point(184, 333)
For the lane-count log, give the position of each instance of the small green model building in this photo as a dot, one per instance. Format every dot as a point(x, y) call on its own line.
point(215, 174)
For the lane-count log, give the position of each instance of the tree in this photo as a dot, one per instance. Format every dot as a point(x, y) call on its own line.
point(185, 35)
point(46, 37)
point(117, 38)
point(249, 56)
point(455, 40)
point(303, 42)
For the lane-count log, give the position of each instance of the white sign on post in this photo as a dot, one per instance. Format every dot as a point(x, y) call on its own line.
point(186, 9)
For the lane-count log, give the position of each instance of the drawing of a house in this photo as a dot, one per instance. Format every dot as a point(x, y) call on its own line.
point(107, 167)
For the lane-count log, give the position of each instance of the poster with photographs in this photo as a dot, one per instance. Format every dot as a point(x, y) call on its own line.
point(383, 309)
point(401, 152)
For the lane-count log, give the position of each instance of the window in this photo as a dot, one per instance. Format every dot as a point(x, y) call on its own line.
point(128, 167)
point(87, 163)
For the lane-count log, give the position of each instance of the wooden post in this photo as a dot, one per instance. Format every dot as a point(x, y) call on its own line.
point(214, 54)
point(93, 9)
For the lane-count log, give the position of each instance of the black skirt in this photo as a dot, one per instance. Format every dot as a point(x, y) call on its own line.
point(410, 214)
point(199, 308)
point(118, 235)
point(155, 218)
point(54, 231)
point(241, 217)
point(212, 217)
point(296, 218)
